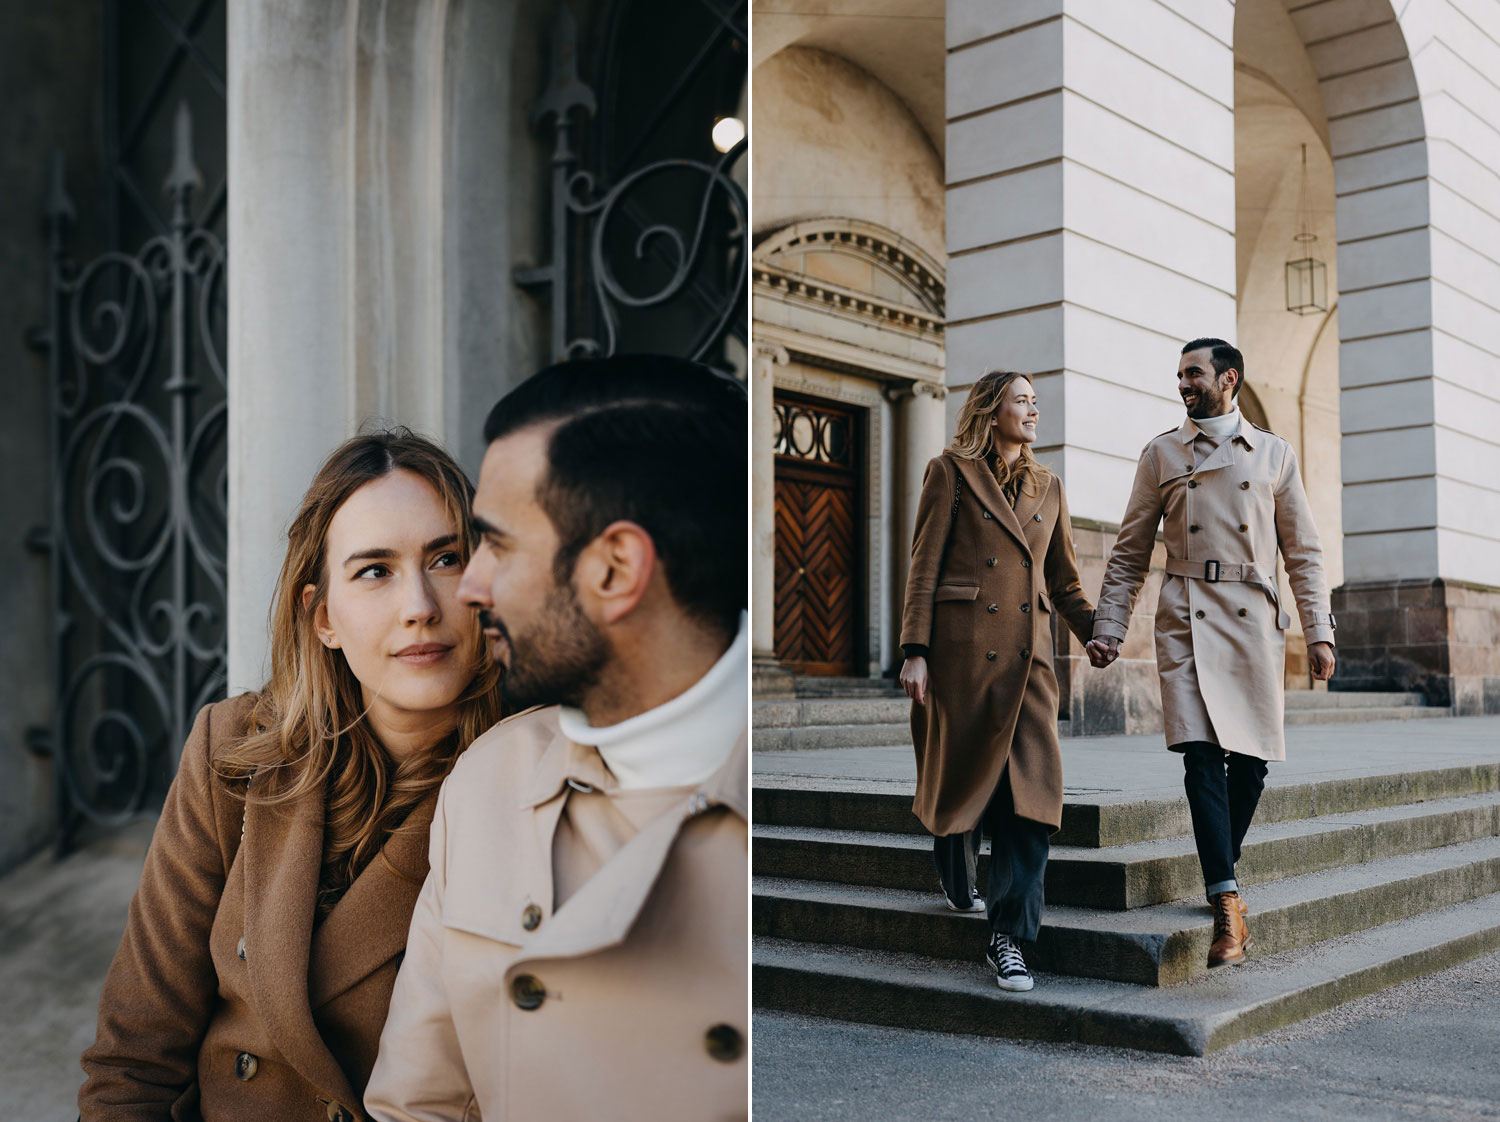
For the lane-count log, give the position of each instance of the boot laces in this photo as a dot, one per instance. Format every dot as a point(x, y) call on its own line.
point(1222, 923)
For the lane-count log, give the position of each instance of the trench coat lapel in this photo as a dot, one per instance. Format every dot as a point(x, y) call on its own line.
point(1027, 507)
point(986, 488)
point(283, 855)
point(603, 911)
point(368, 926)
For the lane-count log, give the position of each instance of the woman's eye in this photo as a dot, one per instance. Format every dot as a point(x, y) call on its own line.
point(446, 560)
point(372, 572)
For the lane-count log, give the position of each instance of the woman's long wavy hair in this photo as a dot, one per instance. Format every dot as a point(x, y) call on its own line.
point(973, 440)
point(310, 732)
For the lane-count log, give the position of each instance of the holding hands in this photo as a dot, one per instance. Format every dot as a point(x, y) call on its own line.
point(1103, 649)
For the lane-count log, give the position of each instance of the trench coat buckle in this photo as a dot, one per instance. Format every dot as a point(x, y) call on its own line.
point(1211, 572)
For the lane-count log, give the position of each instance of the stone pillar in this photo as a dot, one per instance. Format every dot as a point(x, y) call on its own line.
point(1091, 216)
point(763, 516)
point(372, 236)
point(923, 434)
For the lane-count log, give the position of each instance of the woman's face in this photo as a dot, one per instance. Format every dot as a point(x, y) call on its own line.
point(1014, 420)
point(393, 567)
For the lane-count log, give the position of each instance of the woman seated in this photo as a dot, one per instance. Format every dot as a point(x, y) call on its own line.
point(263, 941)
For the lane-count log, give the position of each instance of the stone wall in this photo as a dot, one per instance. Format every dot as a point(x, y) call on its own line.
point(1441, 637)
point(49, 71)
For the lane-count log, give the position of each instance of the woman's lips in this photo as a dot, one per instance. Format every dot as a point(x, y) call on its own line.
point(424, 654)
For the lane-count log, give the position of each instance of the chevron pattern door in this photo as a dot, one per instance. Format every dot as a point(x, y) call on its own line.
point(817, 555)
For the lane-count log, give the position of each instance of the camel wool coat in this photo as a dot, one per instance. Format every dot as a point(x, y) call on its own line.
point(629, 1001)
point(984, 582)
point(224, 1001)
point(1225, 511)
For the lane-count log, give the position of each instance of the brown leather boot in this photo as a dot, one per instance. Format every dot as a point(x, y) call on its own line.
point(1231, 934)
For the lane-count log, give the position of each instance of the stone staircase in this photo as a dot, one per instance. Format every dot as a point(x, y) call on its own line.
point(869, 713)
point(1355, 882)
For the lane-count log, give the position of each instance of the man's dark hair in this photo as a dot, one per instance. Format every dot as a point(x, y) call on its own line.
point(1224, 357)
point(655, 440)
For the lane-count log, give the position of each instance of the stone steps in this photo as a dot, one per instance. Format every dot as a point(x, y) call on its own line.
point(848, 921)
point(1137, 875)
point(1232, 1004)
point(1162, 945)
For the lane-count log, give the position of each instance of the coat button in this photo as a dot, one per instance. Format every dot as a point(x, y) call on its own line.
point(1192, 483)
point(528, 992)
point(531, 917)
point(1026, 562)
point(1245, 486)
point(245, 1067)
point(987, 514)
point(993, 608)
point(990, 655)
point(1193, 529)
point(724, 1043)
point(1243, 613)
point(990, 561)
point(1026, 607)
point(240, 948)
point(1198, 614)
point(1243, 528)
point(1036, 517)
point(1026, 652)
point(336, 1113)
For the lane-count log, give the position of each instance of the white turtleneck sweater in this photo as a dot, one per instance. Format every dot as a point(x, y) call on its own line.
point(683, 741)
point(1217, 428)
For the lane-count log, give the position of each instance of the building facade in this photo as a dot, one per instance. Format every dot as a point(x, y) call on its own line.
point(1073, 188)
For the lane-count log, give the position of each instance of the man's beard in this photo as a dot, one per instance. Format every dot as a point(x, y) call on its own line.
point(1210, 403)
point(558, 660)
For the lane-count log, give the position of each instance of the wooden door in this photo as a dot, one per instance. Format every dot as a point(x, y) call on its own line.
point(818, 504)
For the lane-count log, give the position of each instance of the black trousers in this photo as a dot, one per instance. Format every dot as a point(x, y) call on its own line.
point(1014, 888)
point(1223, 790)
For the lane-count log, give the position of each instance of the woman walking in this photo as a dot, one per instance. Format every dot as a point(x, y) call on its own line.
point(992, 559)
point(257, 964)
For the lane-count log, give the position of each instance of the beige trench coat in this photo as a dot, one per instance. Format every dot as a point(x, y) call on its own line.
point(225, 1000)
point(631, 1001)
point(980, 597)
point(1220, 645)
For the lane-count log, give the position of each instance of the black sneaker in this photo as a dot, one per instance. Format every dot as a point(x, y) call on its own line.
point(1005, 960)
point(976, 902)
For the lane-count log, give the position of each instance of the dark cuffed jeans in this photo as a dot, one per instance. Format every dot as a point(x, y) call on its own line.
point(1014, 889)
point(1223, 790)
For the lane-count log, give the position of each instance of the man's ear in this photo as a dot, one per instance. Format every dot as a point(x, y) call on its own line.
point(614, 571)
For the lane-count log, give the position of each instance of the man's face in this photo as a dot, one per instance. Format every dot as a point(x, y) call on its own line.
point(1205, 393)
point(549, 650)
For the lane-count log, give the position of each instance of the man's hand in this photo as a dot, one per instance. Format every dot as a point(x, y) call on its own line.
point(1103, 649)
point(1320, 661)
point(914, 679)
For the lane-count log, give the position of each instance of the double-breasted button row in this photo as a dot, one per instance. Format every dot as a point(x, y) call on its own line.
point(245, 1067)
point(724, 1043)
point(1245, 486)
point(1026, 607)
point(990, 561)
point(987, 514)
point(1198, 614)
point(993, 608)
point(1026, 562)
point(531, 917)
point(527, 991)
point(1192, 483)
point(990, 655)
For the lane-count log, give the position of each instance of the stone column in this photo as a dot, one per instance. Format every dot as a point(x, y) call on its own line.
point(763, 505)
point(923, 433)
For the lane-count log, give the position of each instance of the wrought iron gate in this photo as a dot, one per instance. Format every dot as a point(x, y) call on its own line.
point(134, 345)
point(649, 225)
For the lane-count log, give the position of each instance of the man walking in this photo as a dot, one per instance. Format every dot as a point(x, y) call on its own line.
point(1227, 495)
point(579, 948)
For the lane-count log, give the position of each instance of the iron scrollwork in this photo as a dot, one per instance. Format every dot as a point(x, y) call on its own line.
point(139, 502)
point(591, 220)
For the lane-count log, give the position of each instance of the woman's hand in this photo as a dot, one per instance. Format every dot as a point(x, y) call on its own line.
point(914, 679)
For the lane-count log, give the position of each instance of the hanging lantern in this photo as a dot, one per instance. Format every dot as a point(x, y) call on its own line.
point(1306, 273)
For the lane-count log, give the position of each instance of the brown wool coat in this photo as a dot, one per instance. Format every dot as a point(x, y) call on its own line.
point(180, 1006)
point(628, 1002)
point(1220, 647)
point(981, 598)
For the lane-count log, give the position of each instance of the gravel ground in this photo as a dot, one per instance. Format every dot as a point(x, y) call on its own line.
point(1427, 1049)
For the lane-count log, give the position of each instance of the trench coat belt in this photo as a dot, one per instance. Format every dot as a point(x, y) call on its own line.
point(1213, 571)
point(1242, 572)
